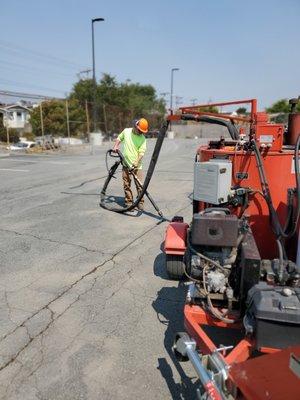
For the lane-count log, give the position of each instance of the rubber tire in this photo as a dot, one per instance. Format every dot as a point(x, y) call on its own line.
point(175, 266)
point(195, 206)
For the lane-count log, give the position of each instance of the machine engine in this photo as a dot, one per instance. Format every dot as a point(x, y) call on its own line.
point(217, 240)
point(224, 262)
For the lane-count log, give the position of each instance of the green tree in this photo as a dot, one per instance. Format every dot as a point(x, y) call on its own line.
point(211, 109)
point(281, 106)
point(119, 103)
point(241, 110)
point(83, 91)
point(55, 118)
point(13, 133)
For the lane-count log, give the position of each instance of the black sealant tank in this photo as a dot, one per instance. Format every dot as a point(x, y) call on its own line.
point(275, 312)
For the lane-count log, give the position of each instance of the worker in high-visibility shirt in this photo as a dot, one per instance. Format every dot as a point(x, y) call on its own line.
point(134, 147)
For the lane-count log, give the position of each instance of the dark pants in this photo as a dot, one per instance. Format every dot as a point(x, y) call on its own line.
point(127, 178)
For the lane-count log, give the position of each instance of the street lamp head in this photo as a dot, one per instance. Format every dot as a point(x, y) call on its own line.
point(175, 69)
point(97, 19)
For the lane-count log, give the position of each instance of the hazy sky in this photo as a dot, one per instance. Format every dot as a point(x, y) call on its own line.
point(225, 49)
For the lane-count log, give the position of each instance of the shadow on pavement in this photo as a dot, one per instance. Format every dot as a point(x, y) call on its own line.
point(81, 194)
point(155, 216)
point(159, 268)
point(119, 200)
point(169, 306)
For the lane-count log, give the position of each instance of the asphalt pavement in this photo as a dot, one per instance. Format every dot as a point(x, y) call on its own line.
point(87, 311)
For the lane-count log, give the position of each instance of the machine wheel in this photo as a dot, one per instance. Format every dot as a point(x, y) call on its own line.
point(175, 266)
point(195, 206)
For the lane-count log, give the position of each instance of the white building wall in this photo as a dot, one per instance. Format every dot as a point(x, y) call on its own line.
point(15, 119)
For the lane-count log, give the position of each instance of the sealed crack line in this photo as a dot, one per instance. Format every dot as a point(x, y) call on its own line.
point(69, 287)
point(12, 379)
point(41, 362)
point(47, 306)
point(51, 240)
point(8, 308)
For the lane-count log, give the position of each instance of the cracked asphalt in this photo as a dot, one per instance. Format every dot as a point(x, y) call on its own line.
point(87, 311)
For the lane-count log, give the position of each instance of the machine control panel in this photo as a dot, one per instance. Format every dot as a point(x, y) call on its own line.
point(212, 181)
point(269, 137)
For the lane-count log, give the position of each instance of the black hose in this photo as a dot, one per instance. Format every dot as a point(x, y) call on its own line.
point(111, 174)
point(279, 232)
point(233, 132)
point(209, 260)
point(296, 160)
point(274, 221)
point(153, 161)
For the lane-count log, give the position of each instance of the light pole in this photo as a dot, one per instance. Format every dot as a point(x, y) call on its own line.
point(171, 95)
point(94, 75)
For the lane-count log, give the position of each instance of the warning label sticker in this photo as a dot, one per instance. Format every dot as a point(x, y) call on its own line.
point(266, 139)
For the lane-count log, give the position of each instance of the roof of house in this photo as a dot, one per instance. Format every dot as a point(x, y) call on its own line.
point(15, 107)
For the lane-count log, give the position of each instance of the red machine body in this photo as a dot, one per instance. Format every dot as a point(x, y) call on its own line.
point(281, 177)
point(175, 242)
point(280, 172)
point(278, 163)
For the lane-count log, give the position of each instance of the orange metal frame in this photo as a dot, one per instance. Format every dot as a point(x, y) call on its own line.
point(175, 239)
point(196, 110)
point(195, 317)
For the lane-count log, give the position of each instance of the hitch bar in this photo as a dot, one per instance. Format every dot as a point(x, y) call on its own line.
point(186, 347)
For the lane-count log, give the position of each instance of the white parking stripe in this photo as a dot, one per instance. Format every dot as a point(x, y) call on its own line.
point(34, 162)
point(20, 160)
point(58, 162)
point(14, 170)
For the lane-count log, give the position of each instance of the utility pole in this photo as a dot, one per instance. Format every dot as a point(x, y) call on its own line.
point(164, 94)
point(42, 123)
point(7, 135)
point(178, 100)
point(87, 119)
point(171, 95)
point(120, 122)
point(105, 120)
point(68, 122)
point(85, 72)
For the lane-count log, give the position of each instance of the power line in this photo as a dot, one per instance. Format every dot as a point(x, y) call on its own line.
point(27, 95)
point(85, 72)
point(30, 70)
point(178, 100)
point(21, 84)
point(40, 59)
point(17, 49)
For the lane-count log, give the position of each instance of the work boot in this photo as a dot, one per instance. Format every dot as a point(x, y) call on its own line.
point(126, 205)
point(140, 206)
